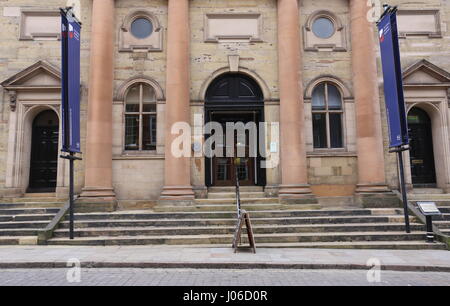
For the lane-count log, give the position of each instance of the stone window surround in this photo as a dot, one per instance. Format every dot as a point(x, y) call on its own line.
point(119, 101)
point(153, 43)
point(319, 43)
point(347, 99)
point(246, 38)
point(436, 12)
point(37, 12)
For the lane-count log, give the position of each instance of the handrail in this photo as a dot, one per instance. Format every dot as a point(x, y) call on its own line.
point(47, 232)
point(238, 192)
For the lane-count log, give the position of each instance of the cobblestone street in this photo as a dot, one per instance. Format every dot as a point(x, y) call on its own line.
point(211, 277)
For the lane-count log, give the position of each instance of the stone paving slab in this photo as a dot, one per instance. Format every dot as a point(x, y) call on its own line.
point(218, 277)
point(225, 258)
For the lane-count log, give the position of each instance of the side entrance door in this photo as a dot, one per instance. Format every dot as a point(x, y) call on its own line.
point(44, 153)
point(423, 170)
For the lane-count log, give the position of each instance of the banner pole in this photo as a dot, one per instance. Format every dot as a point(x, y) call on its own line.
point(71, 193)
point(403, 190)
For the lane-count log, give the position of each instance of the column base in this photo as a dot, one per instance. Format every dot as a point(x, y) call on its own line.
point(177, 195)
point(94, 199)
point(296, 194)
point(376, 196)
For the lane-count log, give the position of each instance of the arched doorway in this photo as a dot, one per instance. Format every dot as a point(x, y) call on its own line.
point(423, 171)
point(44, 152)
point(235, 98)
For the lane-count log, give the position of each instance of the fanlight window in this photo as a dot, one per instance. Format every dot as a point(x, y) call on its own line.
point(327, 112)
point(140, 118)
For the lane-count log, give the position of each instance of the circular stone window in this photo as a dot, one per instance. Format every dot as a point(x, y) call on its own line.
point(141, 28)
point(323, 27)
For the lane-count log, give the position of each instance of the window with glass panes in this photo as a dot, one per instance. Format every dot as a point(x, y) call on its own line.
point(140, 118)
point(327, 113)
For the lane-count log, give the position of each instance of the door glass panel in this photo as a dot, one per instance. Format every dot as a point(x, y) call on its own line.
point(222, 169)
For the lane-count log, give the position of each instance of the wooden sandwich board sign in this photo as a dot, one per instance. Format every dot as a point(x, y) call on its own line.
point(244, 218)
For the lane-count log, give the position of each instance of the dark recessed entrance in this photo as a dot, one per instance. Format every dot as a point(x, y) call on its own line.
point(423, 170)
point(233, 98)
point(44, 152)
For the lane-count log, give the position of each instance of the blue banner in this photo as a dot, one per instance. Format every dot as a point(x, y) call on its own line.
point(393, 80)
point(70, 89)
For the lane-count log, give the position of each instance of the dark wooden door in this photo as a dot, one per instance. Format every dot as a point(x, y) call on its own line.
point(44, 153)
point(423, 170)
point(224, 169)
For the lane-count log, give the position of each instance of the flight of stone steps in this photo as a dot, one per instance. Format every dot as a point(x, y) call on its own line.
point(22, 218)
point(211, 222)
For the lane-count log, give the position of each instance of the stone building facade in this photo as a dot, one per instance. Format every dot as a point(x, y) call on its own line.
point(311, 66)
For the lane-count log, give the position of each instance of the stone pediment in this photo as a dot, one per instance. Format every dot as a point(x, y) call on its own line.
point(424, 73)
point(40, 75)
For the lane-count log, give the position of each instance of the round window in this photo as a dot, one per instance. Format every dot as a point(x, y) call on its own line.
point(141, 28)
point(323, 27)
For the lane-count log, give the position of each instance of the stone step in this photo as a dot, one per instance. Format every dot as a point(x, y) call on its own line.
point(223, 239)
point(23, 224)
point(232, 195)
point(428, 197)
point(233, 201)
point(18, 240)
point(19, 232)
point(376, 245)
point(442, 217)
point(232, 221)
point(27, 211)
point(221, 230)
point(426, 191)
point(141, 215)
point(446, 231)
point(442, 224)
point(444, 209)
point(32, 200)
point(32, 205)
point(27, 218)
point(233, 189)
point(231, 208)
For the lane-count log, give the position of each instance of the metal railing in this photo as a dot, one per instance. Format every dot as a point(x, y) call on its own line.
point(238, 192)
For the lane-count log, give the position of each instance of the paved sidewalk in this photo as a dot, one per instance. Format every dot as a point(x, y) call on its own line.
point(221, 258)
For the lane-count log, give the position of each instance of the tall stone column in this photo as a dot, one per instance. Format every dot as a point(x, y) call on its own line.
point(177, 172)
point(294, 179)
point(98, 156)
point(371, 171)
